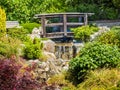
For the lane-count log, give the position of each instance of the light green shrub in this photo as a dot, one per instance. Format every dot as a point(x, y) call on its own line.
point(83, 33)
point(9, 46)
point(33, 49)
point(19, 33)
point(30, 26)
point(112, 38)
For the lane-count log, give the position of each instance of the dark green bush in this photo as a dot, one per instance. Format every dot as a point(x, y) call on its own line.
point(19, 33)
point(30, 26)
point(94, 55)
point(33, 49)
point(92, 8)
point(111, 13)
point(112, 37)
point(83, 33)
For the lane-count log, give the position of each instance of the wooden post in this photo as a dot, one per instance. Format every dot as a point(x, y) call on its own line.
point(86, 19)
point(43, 25)
point(65, 24)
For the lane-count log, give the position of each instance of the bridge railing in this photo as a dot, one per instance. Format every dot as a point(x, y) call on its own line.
point(58, 34)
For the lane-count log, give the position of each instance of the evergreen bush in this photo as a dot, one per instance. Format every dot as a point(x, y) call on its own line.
point(94, 55)
point(9, 46)
point(2, 22)
point(19, 33)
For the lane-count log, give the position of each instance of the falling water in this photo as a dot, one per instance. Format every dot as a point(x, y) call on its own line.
point(64, 50)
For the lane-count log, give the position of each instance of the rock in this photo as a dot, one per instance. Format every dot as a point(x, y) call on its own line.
point(49, 46)
point(32, 36)
point(49, 56)
point(102, 30)
point(36, 31)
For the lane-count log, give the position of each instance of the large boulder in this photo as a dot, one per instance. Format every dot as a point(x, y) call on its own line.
point(49, 46)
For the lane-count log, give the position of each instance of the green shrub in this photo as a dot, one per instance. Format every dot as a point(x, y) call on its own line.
point(19, 33)
point(92, 8)
point(30, 26)
point(101, 79)
point(112, 38)
point(2, 22)
point(9, 46)
point(94, 55)
point(33, 49)
point(111, 13)
point(83, 33)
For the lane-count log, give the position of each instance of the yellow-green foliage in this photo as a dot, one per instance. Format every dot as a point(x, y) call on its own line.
point(112, 37)
point(9, 46)
point(83, 33)
point(59, 79)
point(104, 79)
point(2, 22)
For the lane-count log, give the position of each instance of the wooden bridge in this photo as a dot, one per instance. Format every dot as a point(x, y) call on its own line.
point(58, 25)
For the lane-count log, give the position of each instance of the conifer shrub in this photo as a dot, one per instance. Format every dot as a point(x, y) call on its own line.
point(9, 46)
point(93, 56)
point(19, 33)
point(2, 22)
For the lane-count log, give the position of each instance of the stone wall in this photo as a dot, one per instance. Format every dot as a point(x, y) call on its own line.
point(108, 23)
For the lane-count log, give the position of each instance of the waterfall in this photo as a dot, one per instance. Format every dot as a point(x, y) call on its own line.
point(64, 50)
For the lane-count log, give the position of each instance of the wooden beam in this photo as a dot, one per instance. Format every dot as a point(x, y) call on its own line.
point(54, 24)
point(43, 25)
point(72, 24)
point(86, 19)
point(65, 24)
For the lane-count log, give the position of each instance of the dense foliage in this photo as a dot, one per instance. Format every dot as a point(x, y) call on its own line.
point(59, 79)
point(101, 79)
point(33, 49)
point(112, 37)
point(19, 33)
point(92, 56)
point(30, 26)
point(24, 10)
point(83, 33)
point(2, 22)
point(14, 75)
point(9, 46)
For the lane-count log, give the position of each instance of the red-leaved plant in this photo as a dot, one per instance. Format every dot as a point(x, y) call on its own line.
point(15, 76)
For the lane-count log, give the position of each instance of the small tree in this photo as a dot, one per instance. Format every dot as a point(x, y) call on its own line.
point(2, 22)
